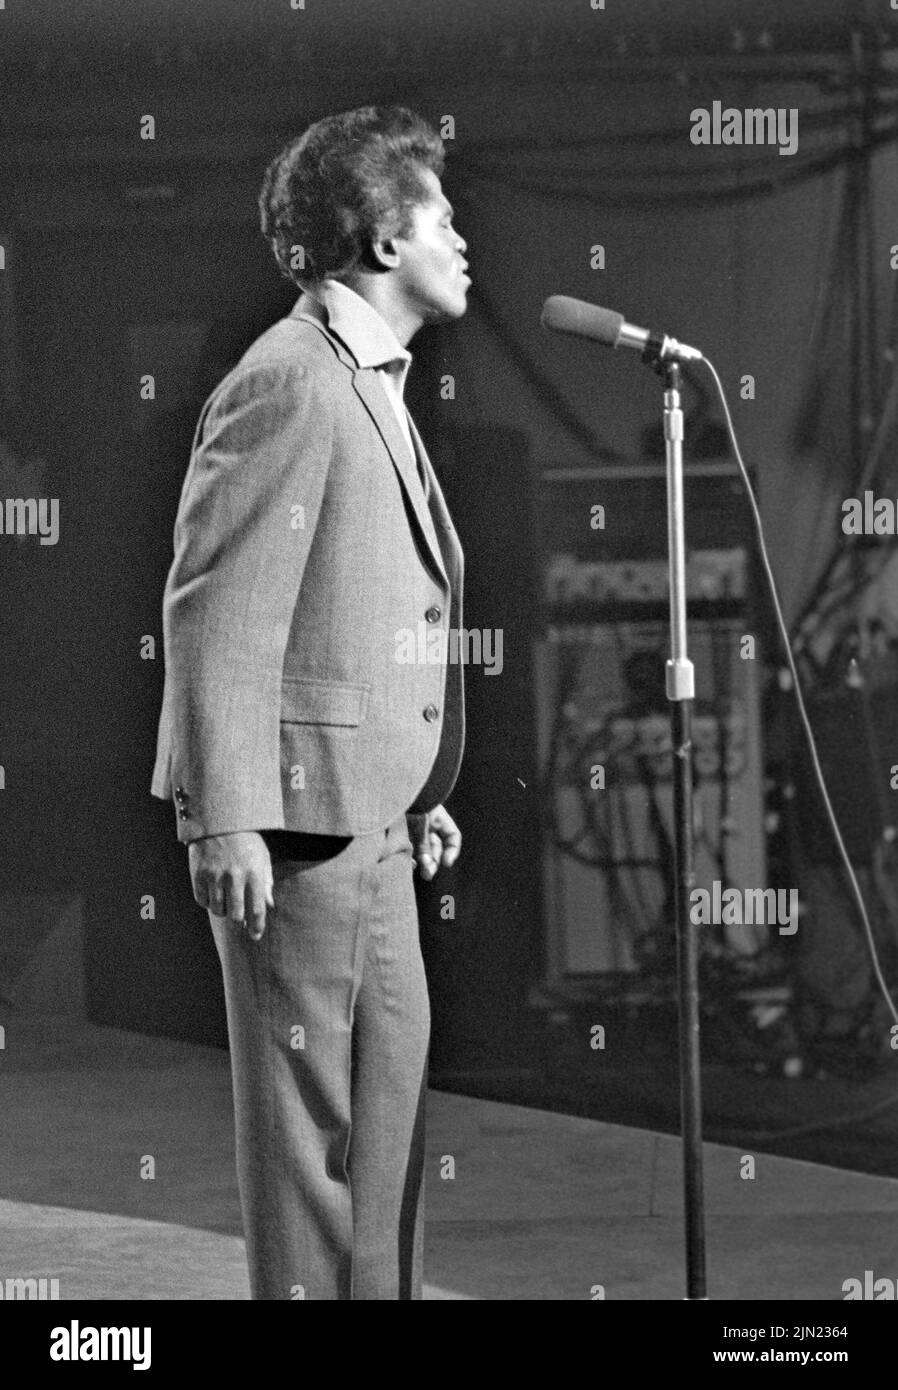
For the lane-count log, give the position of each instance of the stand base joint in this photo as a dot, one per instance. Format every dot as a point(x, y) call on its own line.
point(680, 679)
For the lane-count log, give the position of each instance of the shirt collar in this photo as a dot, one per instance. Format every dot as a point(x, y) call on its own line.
point(365, 332)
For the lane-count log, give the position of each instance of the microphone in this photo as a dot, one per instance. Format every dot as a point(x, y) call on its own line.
point(562, 314)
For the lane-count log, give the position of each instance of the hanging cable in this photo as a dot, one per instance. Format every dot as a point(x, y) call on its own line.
point(796, 685)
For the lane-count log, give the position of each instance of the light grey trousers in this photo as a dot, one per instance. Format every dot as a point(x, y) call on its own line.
point(329, 1024)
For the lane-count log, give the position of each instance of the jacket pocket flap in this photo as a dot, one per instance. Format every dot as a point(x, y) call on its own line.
point(307, 700)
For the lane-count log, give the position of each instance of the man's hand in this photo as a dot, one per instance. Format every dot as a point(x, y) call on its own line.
point(231, 876)
point(436, 840)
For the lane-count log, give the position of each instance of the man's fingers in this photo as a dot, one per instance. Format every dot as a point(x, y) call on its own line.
point(450, 839)
point(242, 903)
point(418, 834)
point(428, 862)
point(255, 898)
point(451, 851)
point(232, 877)
point(438, 842)
point(213, 898)
point(234, 898)
point(427, 866)
point(209, 894)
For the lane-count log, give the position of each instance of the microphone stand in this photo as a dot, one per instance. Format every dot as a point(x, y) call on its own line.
point(680, 681)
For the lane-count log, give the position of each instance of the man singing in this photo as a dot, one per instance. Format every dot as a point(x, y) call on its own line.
point(306, 762)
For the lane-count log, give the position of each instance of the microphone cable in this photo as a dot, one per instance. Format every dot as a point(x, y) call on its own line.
point(796, 686)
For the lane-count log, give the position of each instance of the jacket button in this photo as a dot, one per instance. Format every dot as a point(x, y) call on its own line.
point(185, 815)
point(433, 615)
point(180, 793)
point(431, 713)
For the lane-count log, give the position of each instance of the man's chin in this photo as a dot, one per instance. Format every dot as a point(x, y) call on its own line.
point(459, 306)
point(447, 310)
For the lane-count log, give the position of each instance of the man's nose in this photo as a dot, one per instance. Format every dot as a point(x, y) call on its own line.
point(461, 244)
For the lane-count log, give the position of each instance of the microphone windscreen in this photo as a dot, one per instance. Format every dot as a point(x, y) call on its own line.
point(565, 315)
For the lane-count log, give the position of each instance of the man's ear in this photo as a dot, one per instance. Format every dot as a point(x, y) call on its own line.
point(382, 254)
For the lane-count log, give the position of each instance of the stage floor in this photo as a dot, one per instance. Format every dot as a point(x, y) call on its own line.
point(541, 1205)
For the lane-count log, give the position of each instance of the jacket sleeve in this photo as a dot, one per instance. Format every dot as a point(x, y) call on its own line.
point(245, 524)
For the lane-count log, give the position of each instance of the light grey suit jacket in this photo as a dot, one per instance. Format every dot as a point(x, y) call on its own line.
point(304, 547)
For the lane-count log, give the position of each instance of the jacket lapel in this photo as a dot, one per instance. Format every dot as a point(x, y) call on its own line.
point(440, 512)
point(374, 398)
